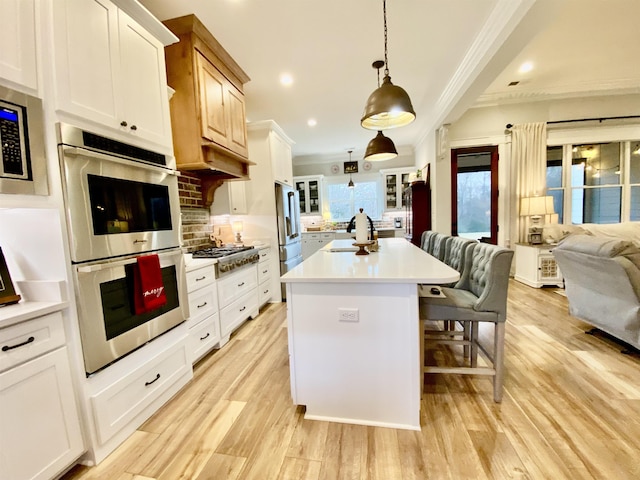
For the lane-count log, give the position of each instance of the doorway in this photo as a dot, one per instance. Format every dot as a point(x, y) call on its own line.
point(474, 193)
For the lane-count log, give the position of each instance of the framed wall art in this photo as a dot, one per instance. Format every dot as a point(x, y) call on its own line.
point(350, 167)
point(7, 292)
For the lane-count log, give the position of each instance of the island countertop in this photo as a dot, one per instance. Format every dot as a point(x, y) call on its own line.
point(396, 261)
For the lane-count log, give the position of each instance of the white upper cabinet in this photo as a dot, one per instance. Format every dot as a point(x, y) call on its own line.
point(18, 40)
point(110, 70)
point(281, 159)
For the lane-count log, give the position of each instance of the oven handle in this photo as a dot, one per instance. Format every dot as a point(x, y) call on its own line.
point(77, 151)
point(96, 267)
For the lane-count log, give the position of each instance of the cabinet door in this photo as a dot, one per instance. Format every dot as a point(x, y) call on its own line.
point(391, 191)
point(18, 40)
point(145, 104)
point(40, 434)
point(314, 197)
point(238, 197)
point(86, 58)
point(301, 187)
point(237, 121)
point(212, 85)
point(281, 159)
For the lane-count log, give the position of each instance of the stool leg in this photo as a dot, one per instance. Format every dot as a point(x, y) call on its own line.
point(466, 327)
point(473, 337)
point(498, 361)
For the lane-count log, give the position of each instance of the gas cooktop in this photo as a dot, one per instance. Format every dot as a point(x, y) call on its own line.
point(230, 259)
point(219, 252)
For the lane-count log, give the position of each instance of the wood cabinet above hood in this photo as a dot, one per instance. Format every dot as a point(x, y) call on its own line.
point(207, 109)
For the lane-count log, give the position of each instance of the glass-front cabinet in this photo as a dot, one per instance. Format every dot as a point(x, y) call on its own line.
point(310, 191)
point(393, 184)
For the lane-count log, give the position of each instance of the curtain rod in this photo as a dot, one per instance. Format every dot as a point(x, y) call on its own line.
point(599, 119)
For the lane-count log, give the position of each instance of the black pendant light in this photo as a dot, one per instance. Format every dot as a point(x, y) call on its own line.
point(380, 147)
point(350, 184)
point(389, 106)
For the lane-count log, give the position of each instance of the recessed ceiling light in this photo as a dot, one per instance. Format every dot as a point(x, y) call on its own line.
point(286, 79)
point(312, 122)
point(525, 67)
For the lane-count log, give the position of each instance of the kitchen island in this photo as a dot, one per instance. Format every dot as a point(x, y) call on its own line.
point(354, 332)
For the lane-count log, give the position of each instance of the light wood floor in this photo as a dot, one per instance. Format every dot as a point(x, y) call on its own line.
point(571, 410)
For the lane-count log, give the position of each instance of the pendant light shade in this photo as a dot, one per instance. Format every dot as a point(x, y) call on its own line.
point(380, 148)
point(389, 106)
point(350, 184)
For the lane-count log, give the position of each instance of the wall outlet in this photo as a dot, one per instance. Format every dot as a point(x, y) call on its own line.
point(348, 315)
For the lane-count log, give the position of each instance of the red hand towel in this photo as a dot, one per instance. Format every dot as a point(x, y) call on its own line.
point(149, 291)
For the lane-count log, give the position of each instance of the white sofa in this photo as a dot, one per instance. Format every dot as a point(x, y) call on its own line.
point(601, 269)
point(629, 231)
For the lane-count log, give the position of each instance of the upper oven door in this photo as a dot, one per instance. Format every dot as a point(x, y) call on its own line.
point(118, 207)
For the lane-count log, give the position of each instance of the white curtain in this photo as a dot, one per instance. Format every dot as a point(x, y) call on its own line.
point(529, 159)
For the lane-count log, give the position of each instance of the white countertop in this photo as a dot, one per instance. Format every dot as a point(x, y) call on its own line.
point(397, 261)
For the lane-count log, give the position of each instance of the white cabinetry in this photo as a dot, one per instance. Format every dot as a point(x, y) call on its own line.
point(230, 198)
point(536, 266)
point(18, 40)
point(312, 242)
point(394, 182)
point(110, 70)
point(281, 158)
point(40, 432)
point(204, 320)
point(265, 291)
point(310, 191)
point(238, 299)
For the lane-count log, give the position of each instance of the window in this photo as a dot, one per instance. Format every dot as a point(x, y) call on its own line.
point(588, 184)
point(345, 202)
point(554, 180)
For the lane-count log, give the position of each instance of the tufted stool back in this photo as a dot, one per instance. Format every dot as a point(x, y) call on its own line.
point(486, 275)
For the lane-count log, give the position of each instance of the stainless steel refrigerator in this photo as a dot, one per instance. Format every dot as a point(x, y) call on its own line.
point(289, 238)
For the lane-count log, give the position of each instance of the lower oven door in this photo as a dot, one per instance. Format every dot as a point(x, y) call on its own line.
point(109, 326)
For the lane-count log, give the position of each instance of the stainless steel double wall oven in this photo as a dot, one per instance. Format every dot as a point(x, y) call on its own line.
point(121, 202)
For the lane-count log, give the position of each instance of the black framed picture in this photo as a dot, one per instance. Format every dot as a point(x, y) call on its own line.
point(350, 167)
point(7, 292)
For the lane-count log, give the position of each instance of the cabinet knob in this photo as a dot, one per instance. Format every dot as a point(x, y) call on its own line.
point(123, 123)
point(134, 128)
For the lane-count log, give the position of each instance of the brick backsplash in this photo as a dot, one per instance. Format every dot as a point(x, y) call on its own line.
point(193, 215)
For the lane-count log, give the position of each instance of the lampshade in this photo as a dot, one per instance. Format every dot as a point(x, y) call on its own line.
point(389, 106)
point(534, 206)
point(380, 148)
point(236, 227)
point(350, 184)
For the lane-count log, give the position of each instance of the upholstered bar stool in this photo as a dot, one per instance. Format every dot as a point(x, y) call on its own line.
point(426, 239)
point(480, 296)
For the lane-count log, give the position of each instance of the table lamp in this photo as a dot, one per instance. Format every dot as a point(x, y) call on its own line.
point(535, 208)
point(237, 229)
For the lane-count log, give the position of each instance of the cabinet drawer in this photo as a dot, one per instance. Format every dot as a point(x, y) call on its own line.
point(26, 340)
point(235, 285)
point(264, 293)
point(265, 254)
point(204, 336)
point(233, 315)
point(200, 277)
point(118, 405)
point(202, 303)
point(264, 272)
point(312, 236)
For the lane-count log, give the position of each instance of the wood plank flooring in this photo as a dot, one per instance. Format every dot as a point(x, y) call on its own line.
point(571, 410)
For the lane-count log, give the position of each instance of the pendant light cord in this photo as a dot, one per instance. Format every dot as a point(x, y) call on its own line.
point(386, 62)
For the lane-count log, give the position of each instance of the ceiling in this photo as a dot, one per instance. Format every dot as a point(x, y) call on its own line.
point(449, 55)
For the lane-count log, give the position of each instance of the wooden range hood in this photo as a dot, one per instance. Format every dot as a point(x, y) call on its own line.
point(207, 109)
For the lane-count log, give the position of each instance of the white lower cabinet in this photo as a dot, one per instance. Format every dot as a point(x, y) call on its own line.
point(536, 266)
point(40, 432)
point(120, 403)
point(238, 299)
point(312, 242)
point(204, 320)
point(264, 277)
